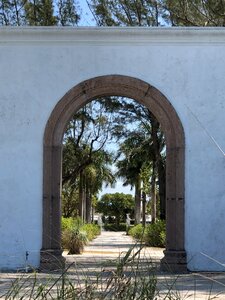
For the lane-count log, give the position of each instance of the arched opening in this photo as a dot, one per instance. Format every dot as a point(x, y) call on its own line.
point(156, 102)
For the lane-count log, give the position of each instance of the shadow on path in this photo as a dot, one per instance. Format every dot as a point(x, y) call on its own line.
point(101, 258)
point(104, 251)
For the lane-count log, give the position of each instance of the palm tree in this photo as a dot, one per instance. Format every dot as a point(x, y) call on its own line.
point(96, 175)
point(138, 168)
point(129, 168)
point(85, 162)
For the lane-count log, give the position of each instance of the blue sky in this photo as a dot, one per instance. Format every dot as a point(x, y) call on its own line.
point(86, 16)
point(119, 188)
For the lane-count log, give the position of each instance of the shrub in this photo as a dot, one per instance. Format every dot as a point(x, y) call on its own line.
point(163, 238)
point(137, 232)
point(67, 223)
point(74, 240)
point(115, 227)
point(75, 234)
point(92, 230)
point(155, 234)
point(73, 237)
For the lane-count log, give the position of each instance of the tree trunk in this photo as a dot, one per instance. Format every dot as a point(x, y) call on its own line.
point(84, 200)
point(159, 166)
point(153, 196)
point(88, 207)
point(162, 188)
point(143, 209)
point(137, 209)
point(117, 222)
point(81, 196)
point(92, 213)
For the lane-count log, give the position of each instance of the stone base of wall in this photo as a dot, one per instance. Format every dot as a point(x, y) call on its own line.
point(52, 260)
point(174, 261)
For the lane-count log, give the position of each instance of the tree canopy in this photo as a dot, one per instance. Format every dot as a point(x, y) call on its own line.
point(94, 129)
point(158, 12)
point(39, 12)
point(114, 12)
point(116, 205)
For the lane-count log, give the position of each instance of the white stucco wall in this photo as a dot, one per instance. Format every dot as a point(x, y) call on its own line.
point(38, 66)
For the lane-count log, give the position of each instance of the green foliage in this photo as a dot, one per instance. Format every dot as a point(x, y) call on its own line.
point(155, 234)
point(159, 13)
point(116, 205)
point(114, 13)
point(137, 232)
point(163, 238)
point(73, 237)
point(68, 13)
point(86, 164)
point(40, 12)
point(139, 152)
point(12, 12)
point(196, 12)
point(74, 240)
point(133, 156)
point(129, 13)
point(115, 227)
point(76, 234)
point(92, 230)
point(67, 223)
point(70, 200)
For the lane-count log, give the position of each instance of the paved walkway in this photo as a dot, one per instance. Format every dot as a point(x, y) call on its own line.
point(101, 255)
point(111, 245)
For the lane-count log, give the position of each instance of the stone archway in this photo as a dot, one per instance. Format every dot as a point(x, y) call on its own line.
point(114, 85)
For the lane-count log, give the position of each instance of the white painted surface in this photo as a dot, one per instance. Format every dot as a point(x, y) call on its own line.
point(39, 65)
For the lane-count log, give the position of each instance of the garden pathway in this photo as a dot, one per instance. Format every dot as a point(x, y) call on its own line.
point(109, 246)
point(100, 255)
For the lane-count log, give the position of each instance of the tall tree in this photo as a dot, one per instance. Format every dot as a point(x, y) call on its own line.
point(129, 13)
point(86, 162)
point(129, 170)
point(114, 12)
point(151, 142)
point(158, 12)
point(195, 12)
point(70, 200)
point(12, 12)
point(134, 157)
point(116, 205)
point(68, 13)
point(40, 13)
point(95, 175)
